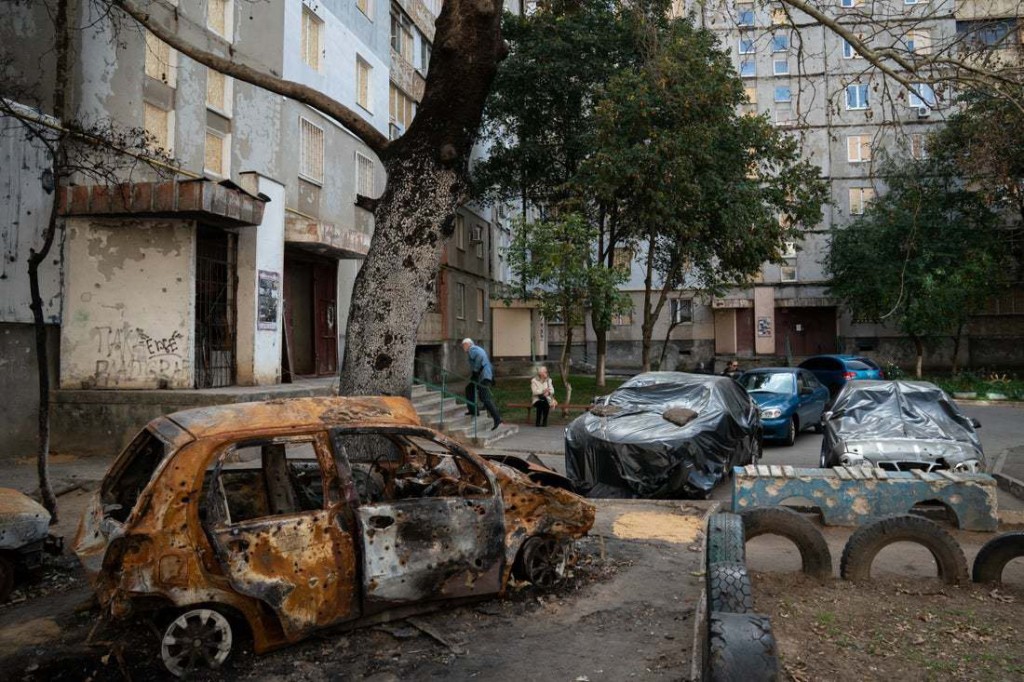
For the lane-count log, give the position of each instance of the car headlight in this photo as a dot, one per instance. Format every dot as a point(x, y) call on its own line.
point(968, 466)
point(851, 460)
point(771, 413)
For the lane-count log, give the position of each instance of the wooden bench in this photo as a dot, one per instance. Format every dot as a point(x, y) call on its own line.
point(560, 406)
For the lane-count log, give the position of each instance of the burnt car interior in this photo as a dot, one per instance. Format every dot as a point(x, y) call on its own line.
point(131, 475)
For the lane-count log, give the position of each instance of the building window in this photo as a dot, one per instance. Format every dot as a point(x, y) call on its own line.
point(425, 51)
point(783, 93)
point(159, 124)
point(788, 273)
point(218, 92)
point(747, 46)
point(748, 69)
point(987, 32)
point(402, 109)
point(476, 237)
point(859, 198)
point(623, 259)
point(917, 148)
point(481, 304)
point(623, 319)
point(682, 310)
point(365, 184)
point(918, 41)
point(751, 94)
point(312, 26)
point(218, 17)
point(784, 116)
point(779, 17)
point(216, 157)
point(848, 3)
point(311, 151)
point(460, 232)
point(780, 67)
point(460, 301)
point(780, 42)
point(858, 148)
point(366, 7)
point(857, 96)
point(363, 84)
point(849, 52)
point(745, 15)
point(161, 60)
point(401, 33)
point(788, 248)
point(922, 97)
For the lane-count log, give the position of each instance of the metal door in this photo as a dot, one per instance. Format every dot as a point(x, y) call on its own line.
point(325, 295)
point(215, 309)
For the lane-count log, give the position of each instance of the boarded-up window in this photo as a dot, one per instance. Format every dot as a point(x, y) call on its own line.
point(751, 94)
point(218, 92)
point(858, 148)
point(859, 198)
point(364, 6)
point(311, 28)
point(218, 17)
point(481, 299)
point(157, 123)
point(363, 84)
point(402, 108)
point(161, 60)
point(311, 151)
point(364, 176)
point(215, 159)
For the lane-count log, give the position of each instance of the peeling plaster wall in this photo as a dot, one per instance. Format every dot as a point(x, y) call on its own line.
point(130, 304)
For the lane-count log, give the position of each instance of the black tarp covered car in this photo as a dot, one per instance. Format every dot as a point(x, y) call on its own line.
point(663, 435)
point(899, 425)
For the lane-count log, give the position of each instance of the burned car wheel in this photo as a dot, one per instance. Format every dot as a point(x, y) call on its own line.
point(198, 638)
point(542, 561)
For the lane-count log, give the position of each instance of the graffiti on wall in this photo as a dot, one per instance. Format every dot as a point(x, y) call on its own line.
point(764, 327)
point(128, 355)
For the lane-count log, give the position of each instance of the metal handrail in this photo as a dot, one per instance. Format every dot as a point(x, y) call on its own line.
point(447, 378)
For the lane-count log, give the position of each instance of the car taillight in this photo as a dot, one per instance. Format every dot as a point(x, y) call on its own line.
point(881, 374)
point(849, 376)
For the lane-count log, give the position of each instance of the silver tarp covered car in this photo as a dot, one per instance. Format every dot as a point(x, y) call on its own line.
point(899, 425)
point(663, 435)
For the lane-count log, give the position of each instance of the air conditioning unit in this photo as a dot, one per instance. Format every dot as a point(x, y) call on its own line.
point(396, 130)
point(923, 112)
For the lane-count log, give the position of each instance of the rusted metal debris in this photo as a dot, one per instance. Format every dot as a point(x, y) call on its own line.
point(299, 514)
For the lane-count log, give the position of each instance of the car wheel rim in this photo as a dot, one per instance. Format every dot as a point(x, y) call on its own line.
point(544, 561)
point(200, 638)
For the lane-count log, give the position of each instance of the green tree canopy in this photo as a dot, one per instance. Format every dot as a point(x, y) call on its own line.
point(923, 256)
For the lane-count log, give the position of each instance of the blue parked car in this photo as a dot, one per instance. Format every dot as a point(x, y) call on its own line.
point(835, 370)
point(791, 399)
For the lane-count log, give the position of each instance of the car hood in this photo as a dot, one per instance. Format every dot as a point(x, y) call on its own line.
point(772, 400)
point(910, 450)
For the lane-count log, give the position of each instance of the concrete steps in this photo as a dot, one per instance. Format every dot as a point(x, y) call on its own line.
point(456, 423)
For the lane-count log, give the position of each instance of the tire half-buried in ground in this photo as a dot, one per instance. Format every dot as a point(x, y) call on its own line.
point(867, 541)
point(725, 538)
point(741, 647)
point(814, 553)
point(995, 554)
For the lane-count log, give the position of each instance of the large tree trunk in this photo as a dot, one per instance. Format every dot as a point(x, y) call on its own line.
point(427, 181)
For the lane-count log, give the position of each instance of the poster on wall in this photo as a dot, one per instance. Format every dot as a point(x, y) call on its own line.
point(764, 327)
point(269, 300)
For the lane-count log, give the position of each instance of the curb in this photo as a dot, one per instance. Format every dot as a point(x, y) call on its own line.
point(989, 403)
point(1010, 485)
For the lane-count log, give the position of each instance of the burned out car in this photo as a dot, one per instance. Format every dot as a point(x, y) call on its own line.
point(899, 426)
point(24, 536)
point(282, 517)
point(663, 435)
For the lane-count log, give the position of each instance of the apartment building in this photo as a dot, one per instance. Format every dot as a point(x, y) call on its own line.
point(848, 117)
point(230, 266)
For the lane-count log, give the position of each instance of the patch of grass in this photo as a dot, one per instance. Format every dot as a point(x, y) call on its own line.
point(508, 390)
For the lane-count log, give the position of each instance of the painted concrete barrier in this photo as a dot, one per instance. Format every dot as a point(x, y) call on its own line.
point(852, 496)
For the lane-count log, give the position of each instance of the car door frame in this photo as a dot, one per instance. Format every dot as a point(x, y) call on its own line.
point(288, 561)
point(469, 564)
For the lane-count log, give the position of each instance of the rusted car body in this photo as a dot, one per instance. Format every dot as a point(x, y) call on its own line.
point(299, 514)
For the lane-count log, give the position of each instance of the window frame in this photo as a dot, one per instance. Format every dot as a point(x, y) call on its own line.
point(225, 140)
point(742, 11)
point(753, 67)
point(861, 87)
point(363, 66)
point(229, 20)
point(171, 79)
point(913, 97)
point(677, 308)
point(751, 42)
point(862, 141)
point(862, 201)
point(460, 301)
point(776, 47)
point(460, 232)
point(775, 67)
point(305, 123)
point(789, 94)
point(481, 304)
point(315, 19)
point(169, 113)
point(229, 91)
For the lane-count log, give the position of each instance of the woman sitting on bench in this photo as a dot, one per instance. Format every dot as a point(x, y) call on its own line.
point(543, 395)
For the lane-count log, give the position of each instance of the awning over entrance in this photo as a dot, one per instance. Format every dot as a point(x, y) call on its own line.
point(720, 303)
point(326, 239)
point(805, 302)
point(220, 204)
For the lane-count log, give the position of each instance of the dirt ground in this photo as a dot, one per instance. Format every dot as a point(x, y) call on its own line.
point(893, 628)
point(627, 612)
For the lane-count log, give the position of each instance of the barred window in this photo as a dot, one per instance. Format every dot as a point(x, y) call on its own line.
point(311, 151)
point(364, 175)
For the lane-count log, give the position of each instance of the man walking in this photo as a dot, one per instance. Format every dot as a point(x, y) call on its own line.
point(482, 376)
